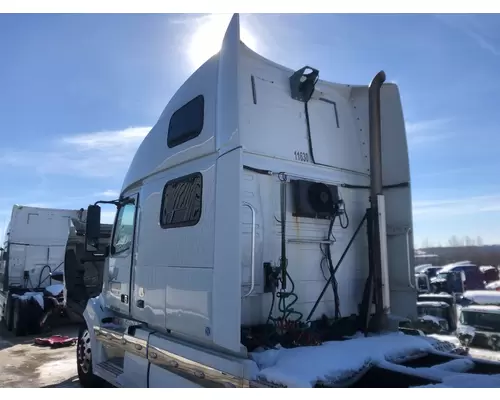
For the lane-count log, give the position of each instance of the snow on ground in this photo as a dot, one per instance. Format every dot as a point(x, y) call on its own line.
point(337, 362)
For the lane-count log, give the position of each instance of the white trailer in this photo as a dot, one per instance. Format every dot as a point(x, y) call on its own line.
point(258, 210)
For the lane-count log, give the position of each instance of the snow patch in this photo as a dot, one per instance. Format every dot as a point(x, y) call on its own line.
point(445, 338)
point(431, 318)
point(334, 362)
point(493, 285)
point(466, 330)
point(483, 297)
point(458, 365)
point(31, 295)
point(55, 290)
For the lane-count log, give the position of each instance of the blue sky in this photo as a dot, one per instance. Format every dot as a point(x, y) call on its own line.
point(79, 92)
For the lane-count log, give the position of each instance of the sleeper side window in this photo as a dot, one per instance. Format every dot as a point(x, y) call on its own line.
point(187, 122)
point(181, 202)
point(124, 228)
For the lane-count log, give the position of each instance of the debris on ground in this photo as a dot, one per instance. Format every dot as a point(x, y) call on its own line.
point(56, 341)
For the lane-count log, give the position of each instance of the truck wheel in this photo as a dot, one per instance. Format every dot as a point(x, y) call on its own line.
point(18, 318)
point(84, 361)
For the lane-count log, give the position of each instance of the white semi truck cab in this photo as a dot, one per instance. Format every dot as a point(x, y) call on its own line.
point(265, 207)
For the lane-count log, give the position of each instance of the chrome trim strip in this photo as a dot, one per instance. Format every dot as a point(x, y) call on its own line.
point(108, 336)
point(136, 346)
point(198, 373)
point(128, 343)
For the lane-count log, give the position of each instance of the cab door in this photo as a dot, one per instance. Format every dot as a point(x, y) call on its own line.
point(121, 257)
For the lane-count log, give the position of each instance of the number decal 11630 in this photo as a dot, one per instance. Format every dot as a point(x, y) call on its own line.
point(301, 156)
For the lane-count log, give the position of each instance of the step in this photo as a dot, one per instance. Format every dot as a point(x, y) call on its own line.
point(112, 367)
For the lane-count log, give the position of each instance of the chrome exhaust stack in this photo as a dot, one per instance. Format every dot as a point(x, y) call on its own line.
point(378, 250)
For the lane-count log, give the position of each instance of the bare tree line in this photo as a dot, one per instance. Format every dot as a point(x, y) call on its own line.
point(454, 241)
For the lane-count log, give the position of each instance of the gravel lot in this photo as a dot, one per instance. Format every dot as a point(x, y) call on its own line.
point(23, 364)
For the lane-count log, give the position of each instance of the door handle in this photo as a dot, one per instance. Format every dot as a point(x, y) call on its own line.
point(124, 298)
point(140, 303)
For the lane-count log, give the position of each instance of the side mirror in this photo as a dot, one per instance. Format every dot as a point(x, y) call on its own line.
point(5, 256)
point(92, 228)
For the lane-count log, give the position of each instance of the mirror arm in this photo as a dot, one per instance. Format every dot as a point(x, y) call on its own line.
point(117, 203)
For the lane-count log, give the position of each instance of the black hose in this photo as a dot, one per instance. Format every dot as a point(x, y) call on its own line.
point(48, 276)
point(286, 310)
point(333, 279)
point(41, 274)
point(309, 138)
point(283, 259)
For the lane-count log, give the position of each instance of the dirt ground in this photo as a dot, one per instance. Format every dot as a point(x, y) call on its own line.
point(23, 364)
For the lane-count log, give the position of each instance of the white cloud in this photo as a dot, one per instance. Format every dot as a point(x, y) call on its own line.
point(108, 193)
point(427, 131)
point(444, 172)
point(456, 206)
point(480, 28)
point(108, 217)
point(97, 155)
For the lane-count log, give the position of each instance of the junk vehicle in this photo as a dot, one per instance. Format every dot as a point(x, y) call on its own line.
point(423, 277)
point(479, 325)
point(34, 271)
point(473, 278)
point(490, 273)
point(479, 319)
point(437, 312)
point(239, 228)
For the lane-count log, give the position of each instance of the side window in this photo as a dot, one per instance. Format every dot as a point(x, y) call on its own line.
point(124, 229)
point(181, 202)
point(187, 122)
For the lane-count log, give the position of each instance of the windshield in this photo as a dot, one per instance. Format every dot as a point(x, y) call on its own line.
point(441, 276)
point(439, 312)
point(432, 272)
point(482, 321)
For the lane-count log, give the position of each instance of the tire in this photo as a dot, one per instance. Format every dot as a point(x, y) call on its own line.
point(18, 318)
point(84, 361)
point(8, 312)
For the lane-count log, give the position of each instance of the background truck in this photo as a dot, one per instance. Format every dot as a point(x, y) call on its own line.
point(83, 272)
point(38, 270)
